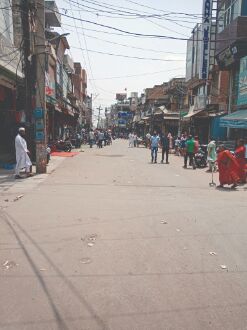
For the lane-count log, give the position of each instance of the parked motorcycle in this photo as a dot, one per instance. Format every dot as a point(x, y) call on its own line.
point(61, 145)
point(201, 158)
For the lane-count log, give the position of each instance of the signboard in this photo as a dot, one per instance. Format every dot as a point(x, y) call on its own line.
point(206, 25)
point(121, 96)
point(242, 83)
point(124, 114)
point(122, 123)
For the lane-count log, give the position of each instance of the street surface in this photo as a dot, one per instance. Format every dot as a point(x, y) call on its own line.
point(110, 241)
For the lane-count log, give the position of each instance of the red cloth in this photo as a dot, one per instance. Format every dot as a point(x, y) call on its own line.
point(240, 158)
point(228, 168)
point(64, 154)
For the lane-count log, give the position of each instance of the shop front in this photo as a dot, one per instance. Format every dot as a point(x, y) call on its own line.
point(236, 120)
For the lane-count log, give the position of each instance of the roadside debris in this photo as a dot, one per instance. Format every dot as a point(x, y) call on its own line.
point(9, 264)
point(6, 200)
point(163, 222)
point(224, 267)
point(90, 240)
point(42, 269)
point(178, 230)
point(213, 253)
point(85, 261)
point(18, 197)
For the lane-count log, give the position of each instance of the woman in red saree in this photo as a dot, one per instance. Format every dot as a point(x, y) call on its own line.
point(240, 157)
point(228, 168)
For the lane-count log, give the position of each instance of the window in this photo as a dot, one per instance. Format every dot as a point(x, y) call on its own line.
point(229, 13)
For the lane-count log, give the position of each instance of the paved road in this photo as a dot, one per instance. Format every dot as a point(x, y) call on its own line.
point(92, 253)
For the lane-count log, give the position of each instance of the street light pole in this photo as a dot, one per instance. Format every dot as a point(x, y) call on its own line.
point(99, 108)
point(40, 111)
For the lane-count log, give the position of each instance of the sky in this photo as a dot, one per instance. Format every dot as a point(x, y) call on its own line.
point(108, 75)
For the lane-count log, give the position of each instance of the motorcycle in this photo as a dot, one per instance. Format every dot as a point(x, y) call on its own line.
point(201, 158)
point(61, 145)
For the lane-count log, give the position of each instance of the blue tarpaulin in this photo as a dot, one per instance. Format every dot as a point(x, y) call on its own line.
point(236, 119)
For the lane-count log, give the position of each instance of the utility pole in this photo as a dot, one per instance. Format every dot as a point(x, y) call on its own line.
point(99, 108)
point(40, 111)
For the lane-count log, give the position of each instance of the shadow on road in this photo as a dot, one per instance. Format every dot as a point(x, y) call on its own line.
point(59, 319)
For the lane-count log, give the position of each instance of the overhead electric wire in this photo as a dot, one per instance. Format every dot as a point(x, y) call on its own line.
point(139, 75)
point(134, 57)
point(135, 11)
point(125, 45)
point(123, 31)
point(98, 13)
point(88, 57)
point(81, 48)
point(158, 9)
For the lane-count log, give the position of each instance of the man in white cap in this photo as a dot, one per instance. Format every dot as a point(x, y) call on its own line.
point(22, 155)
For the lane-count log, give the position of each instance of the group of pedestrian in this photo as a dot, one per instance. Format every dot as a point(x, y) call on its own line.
point(133, 140)
point(155, 141)
point(231, 166)
point(99, 137)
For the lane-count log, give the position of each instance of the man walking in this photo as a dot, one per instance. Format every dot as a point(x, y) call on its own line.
point(91, 138)
point(101, 137)
point(154, 147)
point(164, 141)
point(22, 155)
point(190, 152)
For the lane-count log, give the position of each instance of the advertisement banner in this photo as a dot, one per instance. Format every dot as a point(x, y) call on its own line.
point(242, 84)
point(121, 96)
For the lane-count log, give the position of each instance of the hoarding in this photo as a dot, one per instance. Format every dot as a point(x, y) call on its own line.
point(121, 96)
point(242, 83)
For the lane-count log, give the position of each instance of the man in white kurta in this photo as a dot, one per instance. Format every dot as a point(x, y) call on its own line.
point(22, 158)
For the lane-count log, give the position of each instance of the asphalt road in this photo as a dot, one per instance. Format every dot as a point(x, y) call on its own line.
point(110, 241)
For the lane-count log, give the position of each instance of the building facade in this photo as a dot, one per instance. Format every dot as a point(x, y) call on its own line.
point(11, 106)
point(231, 55)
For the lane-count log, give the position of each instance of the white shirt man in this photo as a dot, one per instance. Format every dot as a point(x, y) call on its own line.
point(22, 158)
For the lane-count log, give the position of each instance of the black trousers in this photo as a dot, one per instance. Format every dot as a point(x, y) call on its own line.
point(165, 151)
point(191, 157)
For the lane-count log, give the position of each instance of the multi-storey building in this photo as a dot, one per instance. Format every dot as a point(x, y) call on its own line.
point(231, 55)
point(206, 84)
point(10, 77)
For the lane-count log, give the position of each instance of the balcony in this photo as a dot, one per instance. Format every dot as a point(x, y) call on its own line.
point(68, 64)
point(235, 34)
point(52, 15)
point(200, 102)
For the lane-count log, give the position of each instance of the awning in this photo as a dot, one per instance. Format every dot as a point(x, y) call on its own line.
point(171, 118)
point(193, 113)
point(236, 119)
